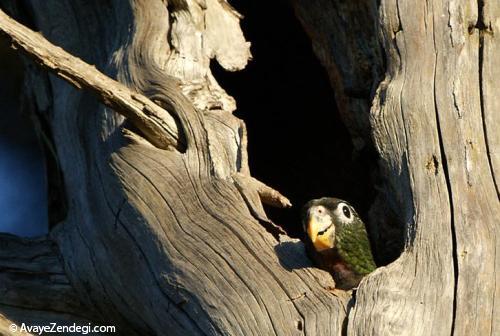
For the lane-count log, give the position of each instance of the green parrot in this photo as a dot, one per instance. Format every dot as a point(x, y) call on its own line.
point(337, 240)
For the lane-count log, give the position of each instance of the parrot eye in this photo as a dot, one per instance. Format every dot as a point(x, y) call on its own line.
point(346, 211)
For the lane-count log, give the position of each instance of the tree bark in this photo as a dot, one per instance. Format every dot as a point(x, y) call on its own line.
point(431, 120)
point(176, 241)
point(159, 241)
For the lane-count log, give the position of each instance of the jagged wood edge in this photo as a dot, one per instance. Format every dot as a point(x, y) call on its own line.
point(157, 125)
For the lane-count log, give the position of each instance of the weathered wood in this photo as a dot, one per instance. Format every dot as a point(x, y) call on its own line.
point(158, 126)
point(475, 207)
point(268, 195)
point(158, 241)
point(162, 240)
point(488, 30)
point(431, 120)
point(489, 73)
point(32, 279)
point(33, 275)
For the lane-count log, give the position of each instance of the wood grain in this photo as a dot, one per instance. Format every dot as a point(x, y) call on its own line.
point(157, 125)
point(431, 120)
point(163, 242)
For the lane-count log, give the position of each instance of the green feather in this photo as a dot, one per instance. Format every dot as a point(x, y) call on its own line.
point(354, 247)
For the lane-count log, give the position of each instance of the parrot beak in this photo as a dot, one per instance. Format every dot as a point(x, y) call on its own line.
point(312, 229)
point(320, 242)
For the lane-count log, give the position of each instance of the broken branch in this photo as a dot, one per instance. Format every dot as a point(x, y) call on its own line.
point(157, 125)
point(267, 194)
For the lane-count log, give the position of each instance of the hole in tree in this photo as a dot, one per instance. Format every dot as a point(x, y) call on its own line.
point(32, 192)
point(297, 141)
point(23, 196)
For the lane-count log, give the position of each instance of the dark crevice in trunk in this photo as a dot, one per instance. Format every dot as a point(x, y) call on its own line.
point(350, 305)
point(22, 173)
point(446, 173)
point(56, 190)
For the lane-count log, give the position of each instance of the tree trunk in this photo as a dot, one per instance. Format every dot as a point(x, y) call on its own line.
point(164, 230)
point(431, 119)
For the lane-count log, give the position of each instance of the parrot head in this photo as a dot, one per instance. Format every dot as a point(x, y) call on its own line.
point(338, 240)
point(325, 218)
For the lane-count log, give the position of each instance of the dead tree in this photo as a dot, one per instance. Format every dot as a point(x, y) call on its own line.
point(163, 230)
